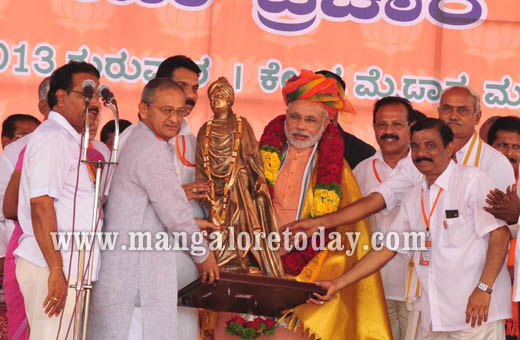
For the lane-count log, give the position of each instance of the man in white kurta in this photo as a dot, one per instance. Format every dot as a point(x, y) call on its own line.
point(504, 135)
point(146, 196)
point(8, 160)
point(184, 72)
point(56, 195)
point(464, 281)
point(392, 117)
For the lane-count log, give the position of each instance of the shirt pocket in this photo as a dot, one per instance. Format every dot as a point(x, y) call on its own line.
point(455, 232)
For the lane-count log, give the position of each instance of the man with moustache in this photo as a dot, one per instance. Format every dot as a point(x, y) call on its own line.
point(51, 189)
point(146, 196)
point(16, 126)
point(392, 119)
point(504, 135)
point(459, 108)
point(460, 263)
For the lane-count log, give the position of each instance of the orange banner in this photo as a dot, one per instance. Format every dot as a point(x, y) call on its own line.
point(411, 48)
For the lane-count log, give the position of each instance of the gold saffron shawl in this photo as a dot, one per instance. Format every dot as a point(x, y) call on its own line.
point(357, 312)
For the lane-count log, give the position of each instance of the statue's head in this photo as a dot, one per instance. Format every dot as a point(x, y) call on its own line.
point(221, 95)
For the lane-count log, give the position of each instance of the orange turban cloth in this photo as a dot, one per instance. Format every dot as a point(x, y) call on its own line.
point(317, 88)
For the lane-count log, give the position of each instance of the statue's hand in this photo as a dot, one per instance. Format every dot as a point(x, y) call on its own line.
point(260, 187)
point(196, 190)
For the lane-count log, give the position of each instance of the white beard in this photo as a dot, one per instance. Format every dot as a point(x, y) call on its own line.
point(298, 144)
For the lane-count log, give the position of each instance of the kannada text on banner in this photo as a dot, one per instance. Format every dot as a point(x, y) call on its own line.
point(411, 48)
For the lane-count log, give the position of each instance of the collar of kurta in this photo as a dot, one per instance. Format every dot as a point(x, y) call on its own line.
point(64, 123)
point(305, 176)
point(185, 129)
point(443, 180)
point(472, 145)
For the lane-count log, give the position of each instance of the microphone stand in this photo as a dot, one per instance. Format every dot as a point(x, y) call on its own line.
point(84, 287)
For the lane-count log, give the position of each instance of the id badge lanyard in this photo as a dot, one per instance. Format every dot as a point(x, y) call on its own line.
point(426, 255)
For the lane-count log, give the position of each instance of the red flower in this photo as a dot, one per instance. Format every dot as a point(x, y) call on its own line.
point(269, 323)
point(253, 325)
point(239, 320)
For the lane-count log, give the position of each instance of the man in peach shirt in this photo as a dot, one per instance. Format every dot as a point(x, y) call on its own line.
point(308, 177)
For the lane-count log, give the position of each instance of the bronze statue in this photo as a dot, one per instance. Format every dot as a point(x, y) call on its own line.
point(229, 159)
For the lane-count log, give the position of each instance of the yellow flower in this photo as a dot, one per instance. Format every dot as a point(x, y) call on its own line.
point(324, 202)
point(271, 165)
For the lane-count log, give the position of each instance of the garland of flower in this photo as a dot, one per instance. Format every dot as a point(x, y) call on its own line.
point(326, 193)
point(250, 330)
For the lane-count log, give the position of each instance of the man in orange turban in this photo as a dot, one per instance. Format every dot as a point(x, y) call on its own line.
point(308, 177)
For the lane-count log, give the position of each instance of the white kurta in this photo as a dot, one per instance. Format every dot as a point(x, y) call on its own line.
point(50, 167)
point(145, 196)
point(459, 247)
point(186, 269)
point(514, 231)
point(8, 161)
point(395, 272)
point(405, 175)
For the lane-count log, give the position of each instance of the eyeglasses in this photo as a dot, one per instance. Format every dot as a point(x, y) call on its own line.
point(94, 95)
point(462, 110)
point(169, 111)
point(308, 120)
point(397, 125)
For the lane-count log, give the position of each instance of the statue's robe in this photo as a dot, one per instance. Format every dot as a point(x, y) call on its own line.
point(248, 209)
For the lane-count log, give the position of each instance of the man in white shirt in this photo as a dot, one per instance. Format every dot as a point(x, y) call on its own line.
point(459, 108)
point(16, 126)
point(56, 195)
point(392, 119)
point(504, 135)
point(460, 263)
point(8, 160)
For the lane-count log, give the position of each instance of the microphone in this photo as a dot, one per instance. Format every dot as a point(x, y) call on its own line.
point(88, 87)
point(105, 93)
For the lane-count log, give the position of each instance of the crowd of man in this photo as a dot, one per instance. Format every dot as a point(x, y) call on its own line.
point(433, 176)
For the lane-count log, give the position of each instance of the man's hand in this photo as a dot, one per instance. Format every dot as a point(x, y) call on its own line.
point(196, 190)
point(504, 206)
point(207, 225)
point(57, 292)
point(331, 288)
point(307, 225)
point(478, 307)
point(209, 269)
